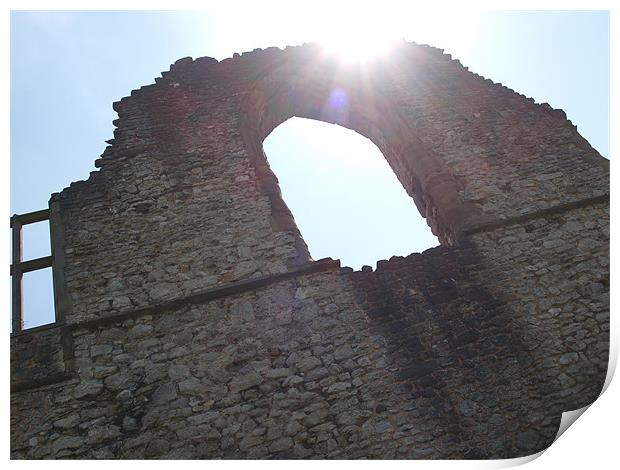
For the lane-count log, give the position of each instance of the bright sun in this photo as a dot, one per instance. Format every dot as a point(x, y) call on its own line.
point(354, 34)
point(355, 46)
point(359, 37)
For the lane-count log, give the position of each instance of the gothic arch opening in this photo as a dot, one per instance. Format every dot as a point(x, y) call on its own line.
point(326, 93)
point(346, 200)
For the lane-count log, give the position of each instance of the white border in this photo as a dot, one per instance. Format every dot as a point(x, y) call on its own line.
point(592, 442)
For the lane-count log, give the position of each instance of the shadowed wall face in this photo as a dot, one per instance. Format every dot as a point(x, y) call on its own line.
point(196, 324)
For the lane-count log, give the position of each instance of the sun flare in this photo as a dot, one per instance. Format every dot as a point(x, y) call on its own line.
point(355, 46)
point(358, 36)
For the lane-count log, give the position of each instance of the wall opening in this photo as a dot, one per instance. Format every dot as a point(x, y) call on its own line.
point(346, 200)
point(38, 298)
point(36, 240)
point(38, 290)
point(32, 288)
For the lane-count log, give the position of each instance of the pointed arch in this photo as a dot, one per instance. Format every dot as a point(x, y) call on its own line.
point(352, 100)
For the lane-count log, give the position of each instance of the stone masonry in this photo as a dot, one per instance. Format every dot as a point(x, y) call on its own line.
point(193, 323)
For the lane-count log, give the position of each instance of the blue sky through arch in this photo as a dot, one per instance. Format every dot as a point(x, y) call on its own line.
point(346, 200)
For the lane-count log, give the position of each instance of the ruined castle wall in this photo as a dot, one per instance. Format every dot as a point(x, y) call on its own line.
point(419, 359)
point(184, 200)
point(554, 269)
point(424, 357)
point(329, 364)
point(161, 218)
point(512, 156)
point(197, 325)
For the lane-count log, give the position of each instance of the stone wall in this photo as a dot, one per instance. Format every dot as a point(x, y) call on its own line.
point(513, 156)
point(196, 325)
point(37, 356)
point(299, 368)
point(554, 269)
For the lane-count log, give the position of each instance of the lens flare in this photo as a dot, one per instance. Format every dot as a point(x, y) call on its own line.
point(338, 98)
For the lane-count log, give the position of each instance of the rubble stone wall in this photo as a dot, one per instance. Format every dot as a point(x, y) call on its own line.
point(301, 368)
point(554, 269)
point(196, 324)
point(37, 356)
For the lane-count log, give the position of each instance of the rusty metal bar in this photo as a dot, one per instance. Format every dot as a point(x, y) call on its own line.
point(32, 265)
point(62, 304)
point(17, 308)
point(31, 217)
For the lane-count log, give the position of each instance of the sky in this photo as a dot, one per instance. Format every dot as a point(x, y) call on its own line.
point(68, 67)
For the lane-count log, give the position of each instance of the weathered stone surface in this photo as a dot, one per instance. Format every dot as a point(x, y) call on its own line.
point(68, 442)
point(156, 448)
point(165, 393)
point(199, 327)
point(68, 422)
